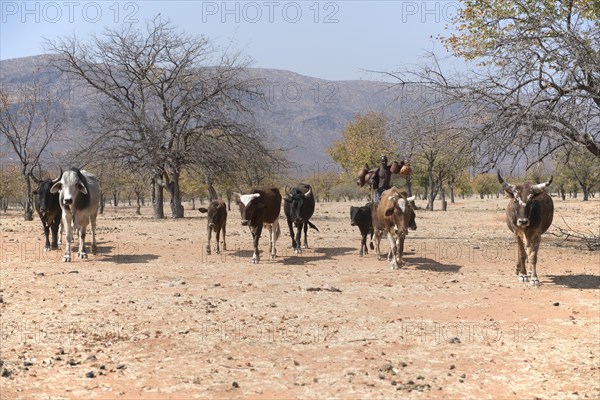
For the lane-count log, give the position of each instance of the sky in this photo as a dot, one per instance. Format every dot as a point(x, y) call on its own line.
point(335, 40)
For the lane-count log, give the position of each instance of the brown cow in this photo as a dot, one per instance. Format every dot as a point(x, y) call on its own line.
point(217, 219)
point(393, 215)
point(261, 208)
point(528, 215)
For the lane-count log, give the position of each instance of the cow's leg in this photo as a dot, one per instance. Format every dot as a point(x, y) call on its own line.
point(400, 249)
point(274, 236)
point(292, 234)
point(256, 237)
point(393, 249)
point(224, 245)
point(532, 250)
point(47, 235)
point(363, 244)
point(306, 235)
point(93, 225)
point(209, 235)
point(521, 270)
point(298, 249)
point(60, 231)
point(378, 234)
point(82, 231)
point(54, 227)
point(218, 240)
point(67, 222)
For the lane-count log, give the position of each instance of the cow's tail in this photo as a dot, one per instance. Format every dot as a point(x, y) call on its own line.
point(312, 226)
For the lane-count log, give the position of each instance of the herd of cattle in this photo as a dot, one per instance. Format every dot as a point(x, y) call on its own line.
point(72, 200)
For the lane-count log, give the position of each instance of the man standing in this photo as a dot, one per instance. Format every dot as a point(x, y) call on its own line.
point(381, 178)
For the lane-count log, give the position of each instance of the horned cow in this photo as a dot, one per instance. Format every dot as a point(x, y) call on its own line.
point(528, 215)
point(48, 208)
point(261, 208)
point(298, 208)
point(79, 199)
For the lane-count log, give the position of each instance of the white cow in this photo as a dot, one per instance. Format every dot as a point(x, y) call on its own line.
point(79, 198)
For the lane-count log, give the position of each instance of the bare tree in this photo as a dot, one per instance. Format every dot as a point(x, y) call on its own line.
point(30, 120)
point(164, 99)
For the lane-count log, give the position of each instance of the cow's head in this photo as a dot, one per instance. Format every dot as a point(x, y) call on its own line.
point(523, 196)
point(43, 196)
point(296, 199)
point(250, 207)
point(70, 187)
point(213, 212)
point(403, 214)
point(357, 214)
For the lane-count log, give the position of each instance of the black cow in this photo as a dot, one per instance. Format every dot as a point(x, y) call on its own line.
point(261, 208)
point(299, 207)
point(361, 217)
point(48, 208)
point(217, 219)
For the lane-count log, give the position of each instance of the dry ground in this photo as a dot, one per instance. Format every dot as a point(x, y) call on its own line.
point(152, 316)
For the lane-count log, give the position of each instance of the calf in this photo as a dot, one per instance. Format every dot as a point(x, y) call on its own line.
point(528, 215)
point(393, 215)
point(298, 208)
point(361, 217)
point(48, 208)
point(79, 199)
point(261, 208)
point(217, 219)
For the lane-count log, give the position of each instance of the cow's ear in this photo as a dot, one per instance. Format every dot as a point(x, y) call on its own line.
point(56, 187)
point(82, 188)
point(389, 211)
point(509, 194)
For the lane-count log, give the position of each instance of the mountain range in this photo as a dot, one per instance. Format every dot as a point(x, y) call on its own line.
point(303, 115)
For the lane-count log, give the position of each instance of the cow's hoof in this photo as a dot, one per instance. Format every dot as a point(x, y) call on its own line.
point(297, 250)
point(83, 255)
point(523, 278)
point(66, 258)
point(47, 249)
point(224, 247)
point(306, 245)
point(218, 251)
point(254, 261)
point(360, 253)
point(208, 251)
point(94, 249)
point(535, 282)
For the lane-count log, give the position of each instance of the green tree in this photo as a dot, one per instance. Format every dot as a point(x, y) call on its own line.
point(575, 165)
point(539, 72)
point(362, 142)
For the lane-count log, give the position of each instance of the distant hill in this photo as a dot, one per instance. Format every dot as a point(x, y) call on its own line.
point(303, 114)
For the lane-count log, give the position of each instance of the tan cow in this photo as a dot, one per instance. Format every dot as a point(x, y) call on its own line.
point(393, 215)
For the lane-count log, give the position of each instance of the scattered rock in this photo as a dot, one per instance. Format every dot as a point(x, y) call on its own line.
point(90, 374)
point(453, 340)
point(121, 366)
point(74, 271)
point(556, 304)
point(27, 363)
point(73, 362)
point(235, 385)
point(6, 373)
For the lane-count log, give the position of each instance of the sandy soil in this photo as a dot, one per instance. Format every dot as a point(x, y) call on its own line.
point(152, 316)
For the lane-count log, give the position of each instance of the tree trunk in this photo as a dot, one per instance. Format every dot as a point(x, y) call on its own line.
point(212, 193)
point(158, 196)
point(452, 194)
point(443, 198)
point(115, 198)
point(586, 192)
point(430, 188)
point(28, 215)
point(138, 197)
point(101, 209)
point(172, 184)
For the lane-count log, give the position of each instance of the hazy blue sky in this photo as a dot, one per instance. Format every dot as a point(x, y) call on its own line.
point(326, 39)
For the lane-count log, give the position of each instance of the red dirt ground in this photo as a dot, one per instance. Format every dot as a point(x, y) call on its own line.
point(151, 316)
